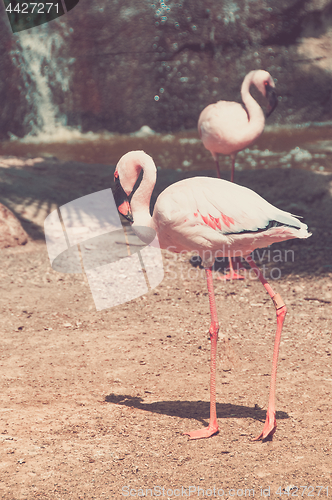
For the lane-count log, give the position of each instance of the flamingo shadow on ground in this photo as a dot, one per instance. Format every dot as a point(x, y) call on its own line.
point(198, 410)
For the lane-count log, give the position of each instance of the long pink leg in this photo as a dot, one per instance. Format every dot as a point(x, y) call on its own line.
point(270, 425)
point(233, 155)
point(217, 167)
point(232, 275)
point(214, 329)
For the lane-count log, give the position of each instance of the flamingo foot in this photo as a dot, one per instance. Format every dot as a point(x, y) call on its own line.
point(269, 428)
point(232, 275)
point(206, 432)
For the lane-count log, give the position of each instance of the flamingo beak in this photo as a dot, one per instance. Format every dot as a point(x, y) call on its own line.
point(121, 200)
point(272, 98)
point(125, 210)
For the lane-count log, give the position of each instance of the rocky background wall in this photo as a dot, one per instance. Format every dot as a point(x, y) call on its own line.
point(129, 63)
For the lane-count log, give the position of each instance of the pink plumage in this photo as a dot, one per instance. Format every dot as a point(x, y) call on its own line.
point(228, 127)
point(214, 218)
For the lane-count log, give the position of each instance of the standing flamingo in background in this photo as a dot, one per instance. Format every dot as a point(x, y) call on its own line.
point(213, 217)
point(227, 127)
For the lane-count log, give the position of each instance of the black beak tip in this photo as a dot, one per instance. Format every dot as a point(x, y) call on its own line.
point(273, 101)
point(129, 217)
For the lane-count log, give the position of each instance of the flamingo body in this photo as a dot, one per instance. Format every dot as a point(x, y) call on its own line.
point(220, 139)
point(228, 127)
point(221, 217)
point(214, 218)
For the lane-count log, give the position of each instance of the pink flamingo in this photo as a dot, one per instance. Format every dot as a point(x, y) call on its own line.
point(213, 217)
point(227, 127)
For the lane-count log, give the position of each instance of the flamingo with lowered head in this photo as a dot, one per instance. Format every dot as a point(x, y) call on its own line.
point(227, 127)
point(212, 217)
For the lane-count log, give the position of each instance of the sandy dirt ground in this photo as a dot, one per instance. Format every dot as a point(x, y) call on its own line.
point(94, 404)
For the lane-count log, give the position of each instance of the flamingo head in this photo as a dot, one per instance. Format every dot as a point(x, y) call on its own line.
point(121, 198)
point(265, 84)
point(126, 175)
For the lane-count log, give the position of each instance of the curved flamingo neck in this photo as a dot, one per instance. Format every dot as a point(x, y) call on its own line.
point(140, 202)
point(255, 112)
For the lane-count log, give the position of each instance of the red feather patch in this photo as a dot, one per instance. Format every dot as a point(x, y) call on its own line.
point(214, 222)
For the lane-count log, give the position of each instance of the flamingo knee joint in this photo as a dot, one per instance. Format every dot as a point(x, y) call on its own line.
point(277, 301)
point(213, 331)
